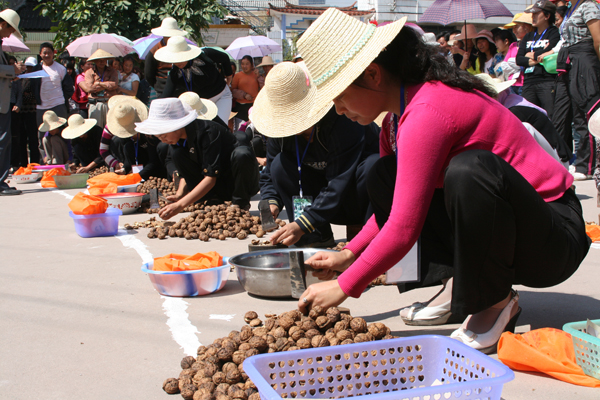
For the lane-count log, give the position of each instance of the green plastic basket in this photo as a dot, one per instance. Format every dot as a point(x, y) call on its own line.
point(587, 347)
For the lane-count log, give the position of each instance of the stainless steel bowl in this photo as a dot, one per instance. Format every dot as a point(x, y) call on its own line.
point(267, 273)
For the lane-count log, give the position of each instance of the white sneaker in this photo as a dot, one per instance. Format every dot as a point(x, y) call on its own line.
point(578, 176)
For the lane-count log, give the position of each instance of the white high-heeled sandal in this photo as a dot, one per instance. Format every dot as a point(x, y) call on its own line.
point(487, 342)
point(420, 314)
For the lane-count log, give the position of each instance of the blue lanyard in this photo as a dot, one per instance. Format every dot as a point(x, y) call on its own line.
point(536, 42)
point(302, 160)
point(187, 86)
point(397, 117)
point(567, 16)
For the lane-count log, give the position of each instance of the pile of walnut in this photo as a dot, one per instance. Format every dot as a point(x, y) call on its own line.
point(164, 187)
point(95, 172)
point(218, 373)
point(379, 281)
point(216, 222)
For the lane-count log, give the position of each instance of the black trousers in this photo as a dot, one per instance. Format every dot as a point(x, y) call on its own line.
point(563, 111)
point(541, 94)
point(237, 183)
point(354, 208)
point(489, 229)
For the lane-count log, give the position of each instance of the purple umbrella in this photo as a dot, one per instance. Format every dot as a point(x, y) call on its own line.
point(143, 45)
point(445, 12)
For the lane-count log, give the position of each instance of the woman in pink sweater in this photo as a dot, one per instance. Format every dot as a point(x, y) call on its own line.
point(491, 207)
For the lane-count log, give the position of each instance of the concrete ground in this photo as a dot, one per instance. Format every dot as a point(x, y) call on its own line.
point(79, 319)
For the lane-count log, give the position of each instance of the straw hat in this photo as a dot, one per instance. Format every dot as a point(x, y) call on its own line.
point(31, 62)
point(337, 48)
point(13, 19)
point(484, 33)
point(166, 115)
point(283, 107)
point(594, 124)
point(232, 114)
point(169, 28)
point(100, 54)
point(51, 121)
point(496, 84)
point(206, 109)
point(77, 126)
point(467, 30)
point(266, 60)
point(117, 98)
point(121, 118)
point(177, 50)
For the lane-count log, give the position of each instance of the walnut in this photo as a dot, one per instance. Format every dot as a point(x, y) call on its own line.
point(242, 235)
point(233, 376)
point(206, 384)
point(218, 342)
point(334, 314)
point(255, 322)
point(308, 324)
point(235, 392)
point(330, 334)
point(187, 373)
point(358, 325)
point(244, 347)
point(203, 394)
point(303, 343)
point(187, 391)
point(341, 326)
point(292, 348)
point(309, 334)
point(151, 236)
point(260, 233)
point(388, 337)
point(280, 332)
point(218, 378)
point(250, 385)
point(347, 341)
point(319, 341)
point(272, 348)
point(377, 329)
point(255, 396)
point(258, 343)
point(346, 317)
point(229, 367)
point(238, 357)
point(323, 322)
point(251, 352)
point(162, 236)
point(171, 386)
point(296, 333)
point(270, 324)
point(315, 311)
point(334, 341)
point(286, 322)
point(225, 354)
point(270, 339)
point(280, 343)
point(222, 388)
point(260, 331)
point(229, 344)
point(222, 396)
point(343, 335)
point(187, 362)
point(361, 337)
point(232, 334)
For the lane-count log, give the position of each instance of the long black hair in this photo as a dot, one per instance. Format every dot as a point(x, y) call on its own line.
point(482, 56)
point(249, 59)
point(411, 61)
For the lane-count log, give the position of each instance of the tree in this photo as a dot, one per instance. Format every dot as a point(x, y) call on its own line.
point(76, 18)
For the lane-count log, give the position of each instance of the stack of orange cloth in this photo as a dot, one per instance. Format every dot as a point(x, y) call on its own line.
point(83, 204)
point(48, 182)
point(180, 262)
point(27, 170)
point(593, 231)
point(103, 188)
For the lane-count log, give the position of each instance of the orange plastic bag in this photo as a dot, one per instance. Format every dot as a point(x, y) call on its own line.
point(103, 188)
point(545, 350)
point(27, 170)
point(48, 182)
point(111, 177)
point(83, 204)
point(180, 262)
point(593, 231)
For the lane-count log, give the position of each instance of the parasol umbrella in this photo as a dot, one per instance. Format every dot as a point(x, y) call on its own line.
point(222, 50)
point(143, 45)
point(123, 38)
point(254, 46)
point(445, 12)
point(13, 45)
point(86, 45)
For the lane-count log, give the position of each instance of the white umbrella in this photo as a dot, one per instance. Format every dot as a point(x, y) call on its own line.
point(12, 44)
point(86, 45)
point(254, 46)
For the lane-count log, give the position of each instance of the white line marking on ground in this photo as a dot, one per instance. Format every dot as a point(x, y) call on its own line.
point(224, 317)
point(595, 245)
point(63, 193)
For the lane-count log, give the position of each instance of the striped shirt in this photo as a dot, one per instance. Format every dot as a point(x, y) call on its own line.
point(105, 149)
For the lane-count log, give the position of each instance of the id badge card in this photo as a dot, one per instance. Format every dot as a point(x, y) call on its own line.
point(529, 70)
point(300, 203)
point(137, 168)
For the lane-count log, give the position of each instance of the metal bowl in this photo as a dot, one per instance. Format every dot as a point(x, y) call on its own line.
point(267, 273)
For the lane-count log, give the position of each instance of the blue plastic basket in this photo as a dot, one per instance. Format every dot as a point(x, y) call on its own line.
point(418, 367)
point(587, 347)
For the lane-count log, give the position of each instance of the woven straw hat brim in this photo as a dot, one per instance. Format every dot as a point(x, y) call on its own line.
point(208, 111)
point(165, 32)
point(165, 55)
point(74, 132)
point(330, 31)
point(117, 98)
point(496, 86)
point(126, 131)
point(100, 54)
point(594, 124)
point(48, 126)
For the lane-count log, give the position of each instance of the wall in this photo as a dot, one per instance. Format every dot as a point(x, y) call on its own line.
point(223, 35)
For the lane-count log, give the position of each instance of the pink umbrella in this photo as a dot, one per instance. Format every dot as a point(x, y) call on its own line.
point(13, 45)
point(86, 45)
point(255, 46)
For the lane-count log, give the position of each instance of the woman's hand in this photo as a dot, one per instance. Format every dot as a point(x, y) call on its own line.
point(16, 109)
point(274, 210)
point(82, 170)
point(327, 263)
point(324, 294)
point(288, 235)
point(170, 210)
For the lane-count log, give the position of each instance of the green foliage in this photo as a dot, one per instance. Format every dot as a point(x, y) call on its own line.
point(132, 19)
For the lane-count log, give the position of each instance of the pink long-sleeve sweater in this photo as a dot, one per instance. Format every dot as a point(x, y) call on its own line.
point(440, 122)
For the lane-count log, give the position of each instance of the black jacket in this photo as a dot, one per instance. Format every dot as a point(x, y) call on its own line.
point(68, 87)
point(338, 146)
point(541, 45)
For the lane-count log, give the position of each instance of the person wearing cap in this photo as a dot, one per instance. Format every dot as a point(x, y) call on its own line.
point(210, 162)
point(538, 84)
point(156, 71)
point(52, 92)
point(100, 83)
point(85, 139)
point(197, 70)
point(323, 158)
point(470, 181)
point(579, 56)
point(9, 24)
point(266, 64)
point(55, 147)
